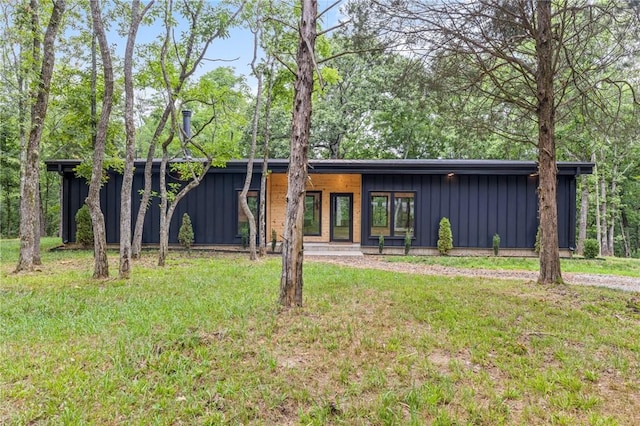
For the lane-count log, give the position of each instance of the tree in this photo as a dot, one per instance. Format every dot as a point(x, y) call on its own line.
point(244, 205)
point(528, 55)
point(130, 145)
point(101, 263)
point(30, 171)
point(181, 57)
point(292, 253)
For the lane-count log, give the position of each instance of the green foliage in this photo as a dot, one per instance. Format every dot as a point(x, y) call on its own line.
point(496, 244)
point(84, 227)
point(85, 169)
point(591, 248)
point(274, 240)
point(185, 233)
point(380, 244)
point(445, 236)
point(536, 246)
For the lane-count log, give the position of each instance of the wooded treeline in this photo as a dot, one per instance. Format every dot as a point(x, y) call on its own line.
point(391, 79)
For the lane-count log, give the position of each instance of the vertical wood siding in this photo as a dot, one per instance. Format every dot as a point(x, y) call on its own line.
point(478, 206)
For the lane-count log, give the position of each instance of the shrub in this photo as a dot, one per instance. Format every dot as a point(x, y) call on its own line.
point(536, 246)
point(591, 248)
point(84, 227)
point(496, 244)
point(445, 237)
point(185, 233)
point(380, 243)
point(407, 242)
point(274, 240)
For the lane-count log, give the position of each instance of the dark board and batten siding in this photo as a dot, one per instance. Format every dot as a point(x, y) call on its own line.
point(481, 198)
point(212, 207)
point(478, 206)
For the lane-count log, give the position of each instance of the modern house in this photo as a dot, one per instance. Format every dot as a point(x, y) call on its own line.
point(353, 202)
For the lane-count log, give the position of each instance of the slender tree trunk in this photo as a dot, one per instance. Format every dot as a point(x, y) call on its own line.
point(164, 225)
point(265, 164)
point(549, 252)
point(598, 218)
point(130, 131)
point(252, 153)
point(101, 264)
point(30, 181)
point(613, 213)
point(292, 253)
point(623, 233)
point(136, 245)
point(584, 211)
point(604, 214)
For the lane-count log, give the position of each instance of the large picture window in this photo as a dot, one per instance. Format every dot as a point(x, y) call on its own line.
point(391, 213)
point(243, 220)
point(312, 213)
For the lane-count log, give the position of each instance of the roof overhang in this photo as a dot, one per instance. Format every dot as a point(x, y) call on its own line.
point(387, 167)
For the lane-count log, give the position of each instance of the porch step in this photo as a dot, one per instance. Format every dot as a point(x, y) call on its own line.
point(332, 249)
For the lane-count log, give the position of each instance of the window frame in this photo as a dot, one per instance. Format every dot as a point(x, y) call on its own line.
point(317, 194)
point(391, 197)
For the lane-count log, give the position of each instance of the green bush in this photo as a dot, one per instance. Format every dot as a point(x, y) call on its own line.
point(380, 243)
point(496, 244)
point(591, 248)
point(84, 227)
point(445, 237)
point(185, 233)
point(536, 246)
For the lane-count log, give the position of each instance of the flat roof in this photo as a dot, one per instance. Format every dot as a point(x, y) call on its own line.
point(467, 167)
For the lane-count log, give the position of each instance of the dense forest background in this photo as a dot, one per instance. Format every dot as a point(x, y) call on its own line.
point(377, 95)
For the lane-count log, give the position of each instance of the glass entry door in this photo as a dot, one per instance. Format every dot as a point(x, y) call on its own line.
point(342, 217)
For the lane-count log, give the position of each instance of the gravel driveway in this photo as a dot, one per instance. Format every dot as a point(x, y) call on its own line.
point(375, 262)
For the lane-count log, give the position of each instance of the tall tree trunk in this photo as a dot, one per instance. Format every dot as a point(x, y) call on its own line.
point(130, 131)
point(613, 213)
point(292, 252)
point(549, 251)
point(30, 180)
point(164, 225)
point(265, 164)
point(101, 264)
point(604, 215)
point(598, 218)
point(136, 245)
point(624, 223)
point(584, 211)
point(252, 153)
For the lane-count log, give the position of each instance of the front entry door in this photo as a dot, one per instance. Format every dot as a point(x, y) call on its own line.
point(342, 217)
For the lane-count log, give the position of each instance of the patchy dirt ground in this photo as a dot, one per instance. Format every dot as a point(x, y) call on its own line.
point(374, 262)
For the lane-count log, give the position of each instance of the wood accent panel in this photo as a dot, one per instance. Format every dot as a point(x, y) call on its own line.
point(325, 183)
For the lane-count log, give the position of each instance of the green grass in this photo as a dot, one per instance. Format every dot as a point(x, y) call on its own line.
point(608, 265)
point(202, 341)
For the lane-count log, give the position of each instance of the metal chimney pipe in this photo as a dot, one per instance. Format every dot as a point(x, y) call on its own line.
point(186, 123)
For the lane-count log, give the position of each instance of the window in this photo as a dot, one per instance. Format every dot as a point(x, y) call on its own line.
point(388, 221)
point(380, 213)
point(312, 213)
point(402, 213)
point(243, 220)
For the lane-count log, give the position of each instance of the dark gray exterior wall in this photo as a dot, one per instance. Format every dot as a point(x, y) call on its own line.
point(481, 198)
point(212, 207)
point(478, 206)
